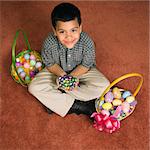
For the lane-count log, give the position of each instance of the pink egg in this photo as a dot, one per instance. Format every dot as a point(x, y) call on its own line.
point(125, 107)
point(117, 111)
point(109, 97)
point(26, 65)
point(32, 57)
point(23, 74)
point(18, 64)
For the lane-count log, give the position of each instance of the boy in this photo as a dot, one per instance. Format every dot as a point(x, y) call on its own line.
point(68, 51)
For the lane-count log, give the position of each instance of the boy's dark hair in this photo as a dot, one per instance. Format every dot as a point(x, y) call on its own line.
point(65, 12)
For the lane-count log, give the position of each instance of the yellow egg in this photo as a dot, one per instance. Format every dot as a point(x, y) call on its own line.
point(107, 106)
point(130, 99)
point(117, 102)
point(116, 92)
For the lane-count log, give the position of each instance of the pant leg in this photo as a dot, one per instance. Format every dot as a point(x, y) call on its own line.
point(44, 88)
point(92, 85)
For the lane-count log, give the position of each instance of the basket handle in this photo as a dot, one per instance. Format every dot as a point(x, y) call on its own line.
point(122, 78)
point(14, 44)
point(13, 50)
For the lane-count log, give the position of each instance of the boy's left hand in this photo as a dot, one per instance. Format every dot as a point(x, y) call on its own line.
point(67, 82)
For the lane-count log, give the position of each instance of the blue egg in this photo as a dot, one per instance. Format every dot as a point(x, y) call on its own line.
point(126, 94)
point(26, 56)
point(19, 70)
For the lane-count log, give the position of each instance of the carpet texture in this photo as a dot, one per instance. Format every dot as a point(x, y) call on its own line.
point(120, 31)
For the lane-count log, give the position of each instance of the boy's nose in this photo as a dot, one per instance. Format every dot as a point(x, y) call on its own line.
point(68, 36)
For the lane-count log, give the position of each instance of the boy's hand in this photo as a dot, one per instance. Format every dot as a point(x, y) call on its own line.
point(67, 82)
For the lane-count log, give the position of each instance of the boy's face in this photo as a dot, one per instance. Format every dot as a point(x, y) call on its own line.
point(68, 33)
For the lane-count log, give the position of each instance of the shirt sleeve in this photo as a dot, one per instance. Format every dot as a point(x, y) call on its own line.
point(88, 53)
point(46, 52)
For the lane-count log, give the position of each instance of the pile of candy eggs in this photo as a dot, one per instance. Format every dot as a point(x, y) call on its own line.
point(68, 82)
point(28, 65)
point(117, 102)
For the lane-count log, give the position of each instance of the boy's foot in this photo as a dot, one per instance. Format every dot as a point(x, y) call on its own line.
point(80, 107)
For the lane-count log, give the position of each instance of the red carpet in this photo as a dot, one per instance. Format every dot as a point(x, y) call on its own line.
point(120, 31)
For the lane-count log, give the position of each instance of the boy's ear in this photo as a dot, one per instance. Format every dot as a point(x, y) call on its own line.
point(80, 28)
point(54, 31)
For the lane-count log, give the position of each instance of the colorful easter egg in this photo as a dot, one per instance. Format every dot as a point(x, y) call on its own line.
point(17, 60)
point(130, 99)
point(125, 107)
point(38, 64)
point(126, 94)
point(32, 57)
point(109, 97)
point(23, 74)
point(116, 93)
point(116, 102)
point(26, 65)
point(107, 106)
point(26, 56)
point(19, 70)
point(27, 78)
point(18, 64)
point(32, 62)
point(32, 74)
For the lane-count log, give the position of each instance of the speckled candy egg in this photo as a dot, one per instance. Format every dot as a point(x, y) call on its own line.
point(109, 97)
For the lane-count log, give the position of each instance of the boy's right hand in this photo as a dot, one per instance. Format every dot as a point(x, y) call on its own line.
point(67, 82)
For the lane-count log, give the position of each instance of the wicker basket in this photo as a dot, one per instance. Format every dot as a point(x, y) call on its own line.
point(26, 64)
point(122, 101)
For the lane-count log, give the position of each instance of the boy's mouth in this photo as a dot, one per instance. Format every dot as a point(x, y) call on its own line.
point(69, 42)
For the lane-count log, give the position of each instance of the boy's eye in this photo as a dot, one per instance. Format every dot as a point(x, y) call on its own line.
point(61, 32)
point(74, 30)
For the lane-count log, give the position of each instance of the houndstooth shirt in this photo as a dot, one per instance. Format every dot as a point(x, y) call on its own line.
point(83, 53)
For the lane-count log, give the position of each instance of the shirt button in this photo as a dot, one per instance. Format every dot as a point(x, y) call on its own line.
point(69, 55)
point(69, 65)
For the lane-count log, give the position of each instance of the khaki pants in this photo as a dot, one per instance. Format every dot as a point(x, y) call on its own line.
point(44, 88)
